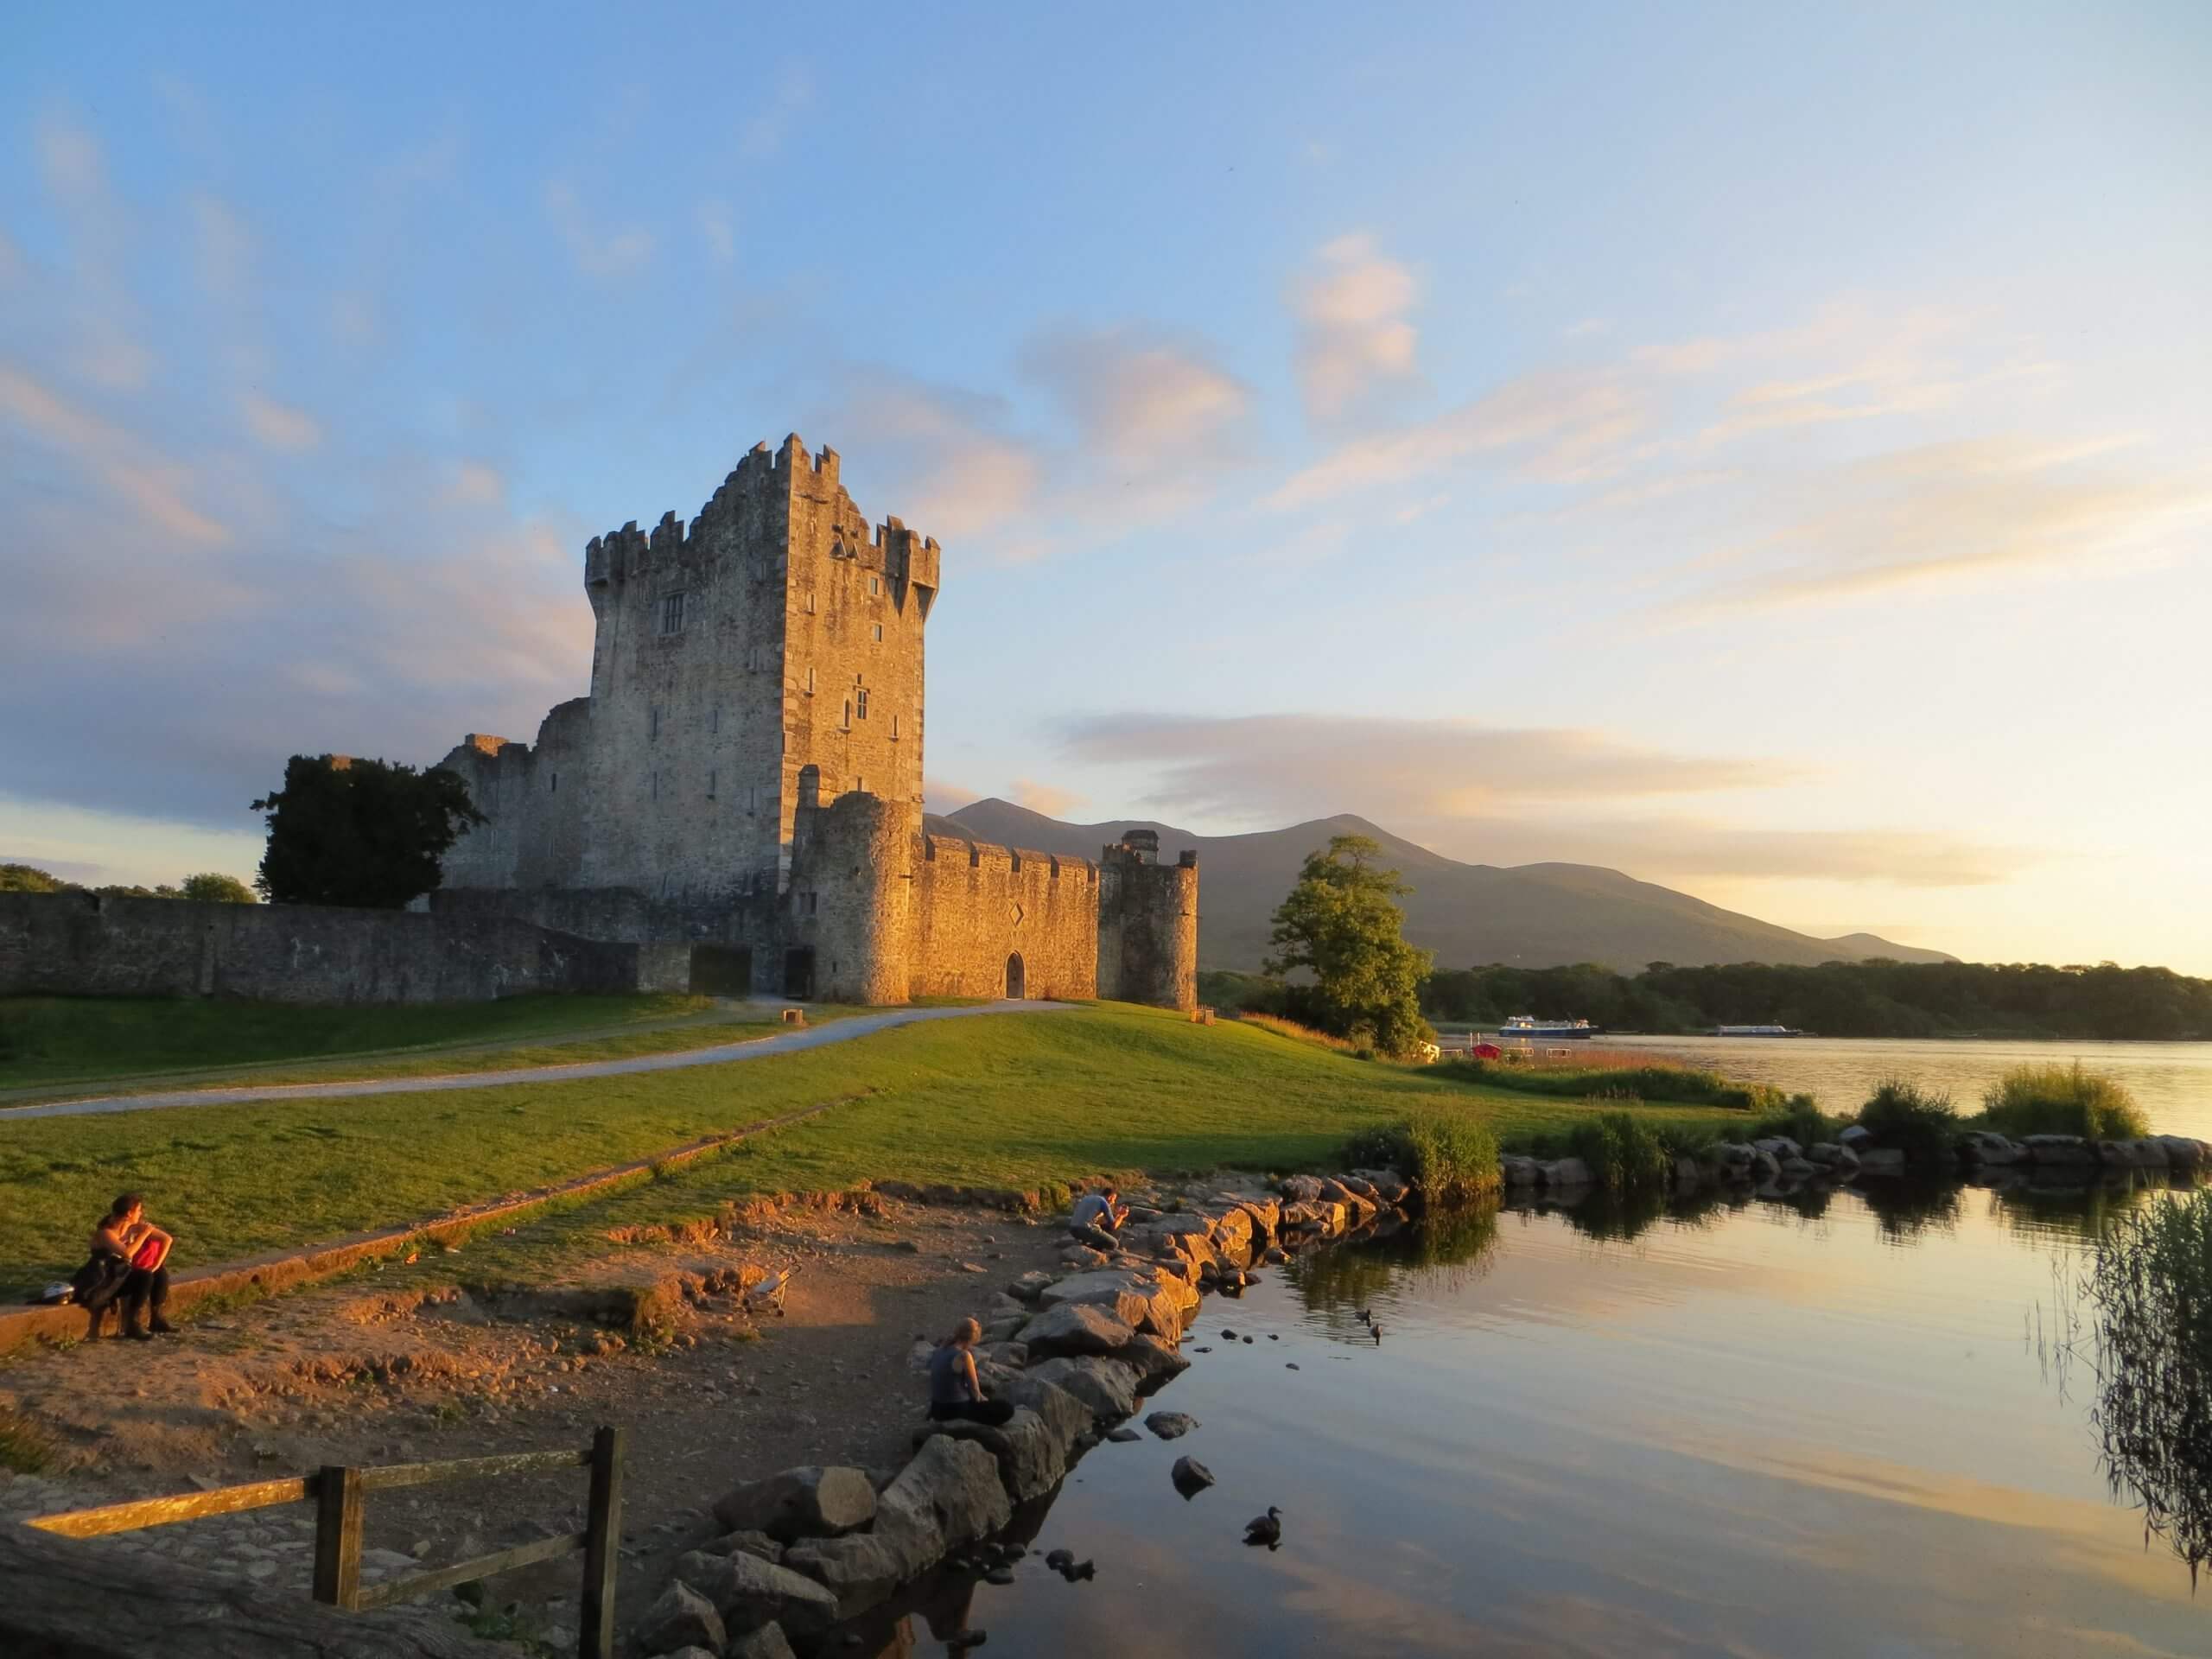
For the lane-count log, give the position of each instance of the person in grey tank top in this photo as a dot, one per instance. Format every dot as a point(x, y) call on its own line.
point(955, 1390)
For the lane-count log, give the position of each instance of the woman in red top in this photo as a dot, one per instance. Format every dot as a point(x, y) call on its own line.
point(126, 1234)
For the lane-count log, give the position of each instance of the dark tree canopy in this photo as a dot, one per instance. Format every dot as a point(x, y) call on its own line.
point(1342, 923)
point(213, 887)
point(365, 833)
point(29, 878)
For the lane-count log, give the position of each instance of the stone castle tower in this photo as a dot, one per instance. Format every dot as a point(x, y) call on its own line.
point(746, 775)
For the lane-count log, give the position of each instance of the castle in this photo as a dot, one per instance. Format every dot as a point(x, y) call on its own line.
point(746, 777)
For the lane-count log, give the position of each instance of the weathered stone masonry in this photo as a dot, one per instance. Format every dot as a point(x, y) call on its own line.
point(746, 777)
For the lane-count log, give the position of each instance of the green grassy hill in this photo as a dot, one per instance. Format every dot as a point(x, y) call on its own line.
point(1006, 1100)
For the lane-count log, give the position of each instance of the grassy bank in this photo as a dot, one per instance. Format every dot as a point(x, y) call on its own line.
point(1005, 1100)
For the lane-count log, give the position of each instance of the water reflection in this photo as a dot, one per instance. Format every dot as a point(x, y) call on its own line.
point(1795, 1422)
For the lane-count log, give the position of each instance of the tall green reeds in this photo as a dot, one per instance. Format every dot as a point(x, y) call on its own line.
point(1921, 1123)
point(2063, 1100)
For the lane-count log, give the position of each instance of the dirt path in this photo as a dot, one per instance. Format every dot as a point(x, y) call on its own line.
point(755, 1048)
point(403, 1366)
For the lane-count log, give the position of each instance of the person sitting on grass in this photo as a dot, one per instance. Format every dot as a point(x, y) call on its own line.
point(955, 1390)
point(1098, 1216)
point(129, 1265)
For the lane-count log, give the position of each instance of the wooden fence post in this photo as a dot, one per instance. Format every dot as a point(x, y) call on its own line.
point(337, 1536)
point(602, 1544)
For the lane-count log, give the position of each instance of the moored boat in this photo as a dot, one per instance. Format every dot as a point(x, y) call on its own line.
point(1526, 1027)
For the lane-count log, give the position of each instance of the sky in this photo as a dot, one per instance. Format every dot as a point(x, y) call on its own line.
point(1764, 449)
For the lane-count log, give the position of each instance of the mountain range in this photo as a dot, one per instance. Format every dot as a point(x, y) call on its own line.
point(1529, 916)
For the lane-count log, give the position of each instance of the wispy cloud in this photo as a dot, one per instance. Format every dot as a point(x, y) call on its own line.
point(1052, 801)
point(1561, 424)
point(766, 129)
point(1353, 333)
point(124, 469)
point(280, 425)
point(1955, 514)
point(599, 254)
point(105, 319)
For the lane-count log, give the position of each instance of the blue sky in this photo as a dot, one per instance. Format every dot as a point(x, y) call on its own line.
point(1762, 450)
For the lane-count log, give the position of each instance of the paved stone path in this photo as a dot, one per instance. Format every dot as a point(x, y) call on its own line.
point(754, 1048)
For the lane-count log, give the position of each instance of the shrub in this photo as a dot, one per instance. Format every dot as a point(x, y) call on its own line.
point(1623, 1154)
point(1919, 1123)
point(1801, 1120)
point(2062, 1100)
point(1379, 1148)
point(1452, 1157)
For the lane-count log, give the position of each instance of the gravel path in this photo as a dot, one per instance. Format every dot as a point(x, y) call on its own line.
point(754, 1048)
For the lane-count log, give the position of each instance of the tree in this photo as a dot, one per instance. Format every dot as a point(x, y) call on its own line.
point(368, 833)
point(29, 878)
point(211, 887)
point(1342, 923)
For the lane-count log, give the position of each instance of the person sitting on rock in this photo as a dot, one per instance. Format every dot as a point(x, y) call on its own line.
point(129, 1265)
point(1099, 1216)
point(955, 1390)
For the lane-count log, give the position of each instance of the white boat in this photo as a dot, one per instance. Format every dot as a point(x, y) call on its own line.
point(1526, 1029)
point(1755, 1031)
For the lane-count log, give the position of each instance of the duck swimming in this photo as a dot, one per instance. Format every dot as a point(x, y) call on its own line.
point(1265, 1528)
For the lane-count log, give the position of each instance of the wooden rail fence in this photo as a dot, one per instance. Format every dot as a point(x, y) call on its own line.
point(339, 1494)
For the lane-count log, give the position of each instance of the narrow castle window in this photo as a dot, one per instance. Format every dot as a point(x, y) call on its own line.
point(556, 789)
point(671, 613)
point(715, 718)
point(859, 702)
point(810, 602)
point(860, 784)
point(894, 725)
point(710, 782)
point(810, 682)
point(879, 633)
point(808, 910)
point(655, 786)
point(876, 584)
point(848, 714)
point(652, 725)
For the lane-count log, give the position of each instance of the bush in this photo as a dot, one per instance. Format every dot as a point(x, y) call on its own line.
point(1623, 1153)
point(2062, 1100)
point(1801, 1120)
point(1451, 1158)
point(1921, 1123)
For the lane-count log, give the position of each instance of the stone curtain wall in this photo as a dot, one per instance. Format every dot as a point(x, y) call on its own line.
point(973, 905)
point(87, 944)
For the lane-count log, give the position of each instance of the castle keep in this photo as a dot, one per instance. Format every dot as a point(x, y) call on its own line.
point(745, 778)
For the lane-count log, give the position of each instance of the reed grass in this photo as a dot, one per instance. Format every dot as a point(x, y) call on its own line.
point(2062, 1100)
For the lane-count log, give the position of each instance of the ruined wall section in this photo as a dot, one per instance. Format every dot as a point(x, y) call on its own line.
point(97, 944)
point(855, 608)
point(975, 905)
point(1147, 926)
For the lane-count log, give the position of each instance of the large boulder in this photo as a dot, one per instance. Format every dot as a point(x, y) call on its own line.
point(748, 1593)
point(1106, 1386)
point(1302, 1189)
point(1856, 1137)
point(1171, 1425)
point(948, 1495)
point(2182, 1152)
point(1138, 1297)
point(1154, 1361)
point(1075, 1328)
point(1065, 1417)
point(1264, 1208)
point(2147, 1153)
point(1566, 1172)
point(681, 1618)
point(859, 1570)
point(1030, 1456)
point(2058, 1149)
point(805, 1503)
point(1032, 1285)
point(1390, 1186)
point(1986, 1148)
point(1518, 1171)
point(1881, 1161)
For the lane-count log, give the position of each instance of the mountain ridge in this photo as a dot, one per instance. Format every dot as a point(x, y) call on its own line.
point(1529, 915)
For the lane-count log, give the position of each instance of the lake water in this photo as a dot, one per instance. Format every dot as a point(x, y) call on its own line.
point(1753, 1431)
point(2171, 1081)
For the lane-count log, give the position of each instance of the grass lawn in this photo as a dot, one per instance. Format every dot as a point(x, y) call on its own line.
point(53, 1047)
point(1006, 1100)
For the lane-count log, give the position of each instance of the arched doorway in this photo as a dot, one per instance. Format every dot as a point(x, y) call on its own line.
point(1016, 981)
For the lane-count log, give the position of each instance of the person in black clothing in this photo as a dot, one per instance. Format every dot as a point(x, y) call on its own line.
point(129, 1265)
point(955, 1390)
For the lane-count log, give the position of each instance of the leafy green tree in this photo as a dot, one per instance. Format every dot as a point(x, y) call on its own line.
point(211, 887)
point(29, 878)
point(366, 833)
point(1342, 923)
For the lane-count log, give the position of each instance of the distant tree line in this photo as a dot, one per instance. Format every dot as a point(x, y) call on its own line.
point(209, 886)
point(1875, 998)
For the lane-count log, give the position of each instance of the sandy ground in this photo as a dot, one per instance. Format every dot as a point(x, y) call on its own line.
point(400, 1367)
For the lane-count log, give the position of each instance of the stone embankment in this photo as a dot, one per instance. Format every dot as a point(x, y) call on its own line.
point(1074, 1352)
point(1779, 1162)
